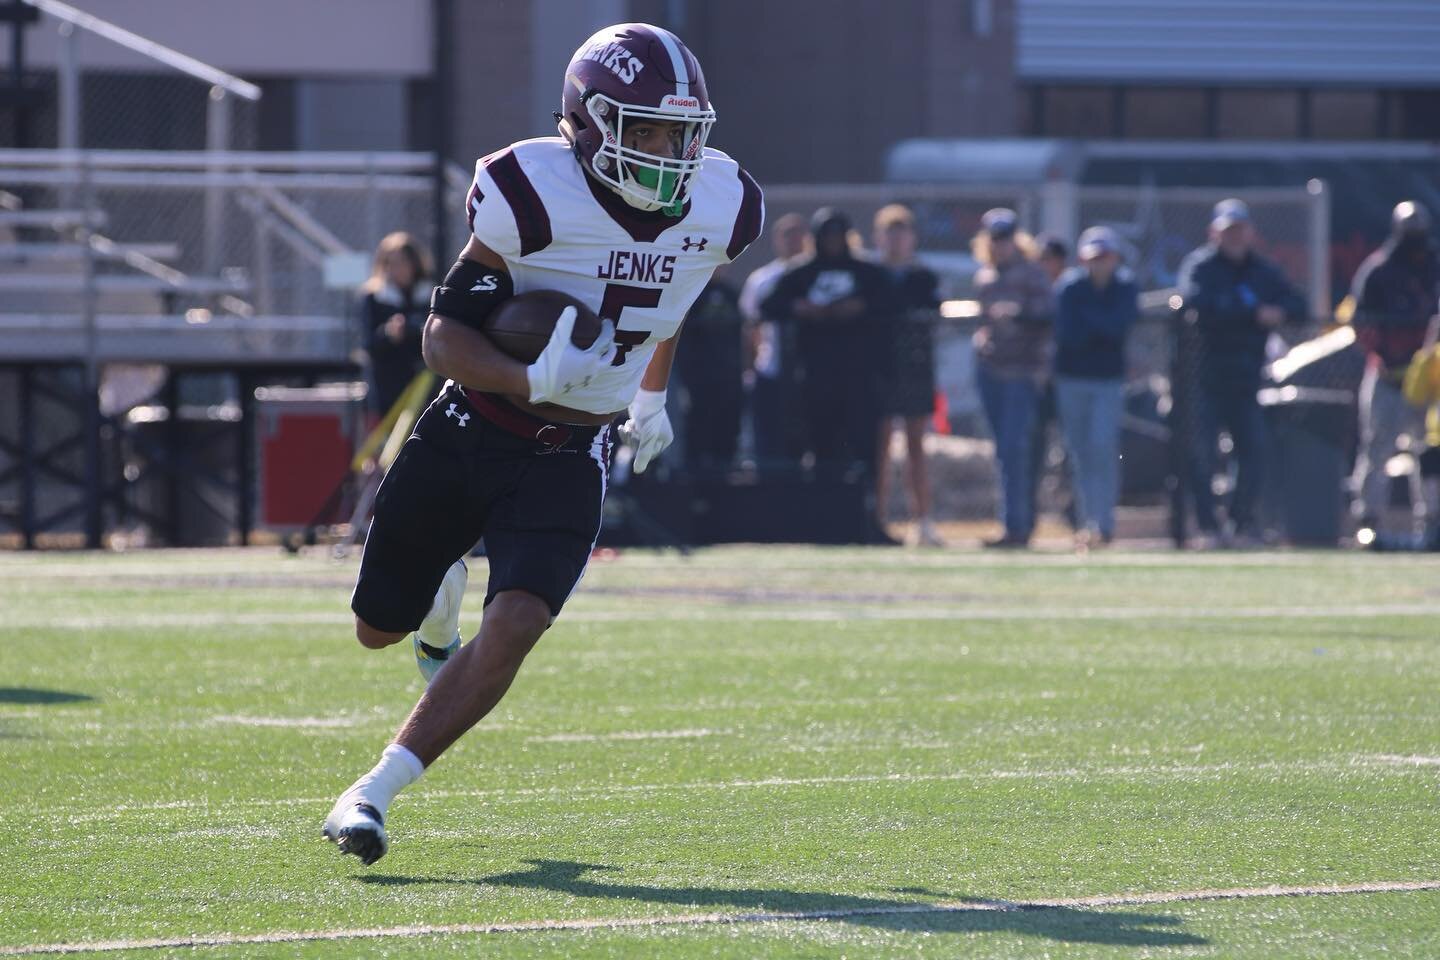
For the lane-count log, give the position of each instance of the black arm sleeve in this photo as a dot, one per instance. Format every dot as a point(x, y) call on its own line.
point(470, 292)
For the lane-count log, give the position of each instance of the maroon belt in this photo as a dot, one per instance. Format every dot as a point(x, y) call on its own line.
point(518, 422)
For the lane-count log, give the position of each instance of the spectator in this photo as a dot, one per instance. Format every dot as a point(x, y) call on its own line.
point(1012, 352)
point(1097, 304)
point(708, 366)
point(1054, 256)
point(1422, 389)
point(1395, 292)
point(394, 304)
point(1054, 259)
point(908, 385)
point(766, 379)
point(1236, 298)
point(830, 299)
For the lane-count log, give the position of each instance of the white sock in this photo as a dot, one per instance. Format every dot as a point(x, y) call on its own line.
point(432, 630)
point(397, 769)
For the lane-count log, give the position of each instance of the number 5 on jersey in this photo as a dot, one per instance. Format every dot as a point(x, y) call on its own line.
point(618, 296)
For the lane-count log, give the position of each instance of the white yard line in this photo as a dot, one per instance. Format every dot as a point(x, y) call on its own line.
point(796, 611)
point(1406, 761)
point(702, 919)
point(1152, 771)
point(625, 735)
point(287, 722)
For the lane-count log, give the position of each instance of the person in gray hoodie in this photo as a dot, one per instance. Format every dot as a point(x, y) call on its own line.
point(1012, 354)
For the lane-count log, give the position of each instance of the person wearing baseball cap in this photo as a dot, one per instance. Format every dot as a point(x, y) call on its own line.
point(1227, 213)
point(1097, 304)
point(1235, 298)
point(1012, 357)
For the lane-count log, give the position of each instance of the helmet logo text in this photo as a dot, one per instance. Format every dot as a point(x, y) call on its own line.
point(621, 61)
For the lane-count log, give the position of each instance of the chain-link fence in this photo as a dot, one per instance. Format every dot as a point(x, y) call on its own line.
point(166, 101)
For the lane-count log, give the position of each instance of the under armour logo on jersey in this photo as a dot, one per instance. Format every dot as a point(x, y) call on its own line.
point(485, 284)
point(696, 244)
point(462, 417)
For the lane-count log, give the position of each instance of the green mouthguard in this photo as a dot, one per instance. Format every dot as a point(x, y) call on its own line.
point(665, 185)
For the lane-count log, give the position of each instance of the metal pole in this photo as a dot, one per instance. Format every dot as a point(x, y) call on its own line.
point(28, 467)
point(91, 389)
point(440, 78)
point(17, 80)
point(244, 461)
point(67, 79)
point(264, 295)
point(372, 204)
point(170, 397)
point(1060, 208)
point(217, 140)
point(1320, 302)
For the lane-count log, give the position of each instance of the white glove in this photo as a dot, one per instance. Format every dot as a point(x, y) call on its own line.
point(562, 366)
point(648, 428)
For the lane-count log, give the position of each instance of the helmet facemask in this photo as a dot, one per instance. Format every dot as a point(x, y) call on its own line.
point(645, 180)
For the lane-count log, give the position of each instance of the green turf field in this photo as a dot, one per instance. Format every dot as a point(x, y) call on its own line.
point(752, 752)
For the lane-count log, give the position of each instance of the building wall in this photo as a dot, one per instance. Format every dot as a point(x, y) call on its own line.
point(807, 90)
point(815, 91)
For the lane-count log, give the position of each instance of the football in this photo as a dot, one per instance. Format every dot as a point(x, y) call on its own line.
point(521, 326)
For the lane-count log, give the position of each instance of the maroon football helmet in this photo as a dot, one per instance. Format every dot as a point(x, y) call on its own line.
point(622, 75)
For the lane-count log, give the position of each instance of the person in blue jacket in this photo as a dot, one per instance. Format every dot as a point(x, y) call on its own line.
point(1236, 298)
point(1096, 304)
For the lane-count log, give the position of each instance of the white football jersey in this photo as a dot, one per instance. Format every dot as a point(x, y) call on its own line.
point(558, 229)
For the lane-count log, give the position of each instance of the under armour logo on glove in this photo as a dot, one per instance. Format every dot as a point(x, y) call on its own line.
point(462, 417)
point(697, 244)
point(582, 384)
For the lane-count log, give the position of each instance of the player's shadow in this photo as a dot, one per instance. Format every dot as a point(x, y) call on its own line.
point(1056, 923)
point(32, 695)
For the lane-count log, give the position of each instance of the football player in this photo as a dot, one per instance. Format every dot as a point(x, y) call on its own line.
point(628, 211)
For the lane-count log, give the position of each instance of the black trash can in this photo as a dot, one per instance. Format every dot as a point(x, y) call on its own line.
point(1310, 433)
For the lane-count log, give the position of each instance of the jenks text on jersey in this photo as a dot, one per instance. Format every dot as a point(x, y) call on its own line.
point(639, 267)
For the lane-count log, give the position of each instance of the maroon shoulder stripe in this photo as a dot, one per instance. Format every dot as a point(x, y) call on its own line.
point(750, 219)
point(531, 220)
point(472, 203)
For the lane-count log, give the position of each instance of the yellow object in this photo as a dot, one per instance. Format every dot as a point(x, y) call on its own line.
point(1345, 310)
point(395, 424)
point(1421, 387)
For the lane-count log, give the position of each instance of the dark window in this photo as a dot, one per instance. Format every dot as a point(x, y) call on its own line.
point(1344, 115)
point(1164, 113)
point(1259, 115)
point(1078, 112)
point(1418, 114)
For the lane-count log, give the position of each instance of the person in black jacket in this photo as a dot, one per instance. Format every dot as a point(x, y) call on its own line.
point(831, 299)
point(1236, 298)
point(907, 391)
point(394, 304)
